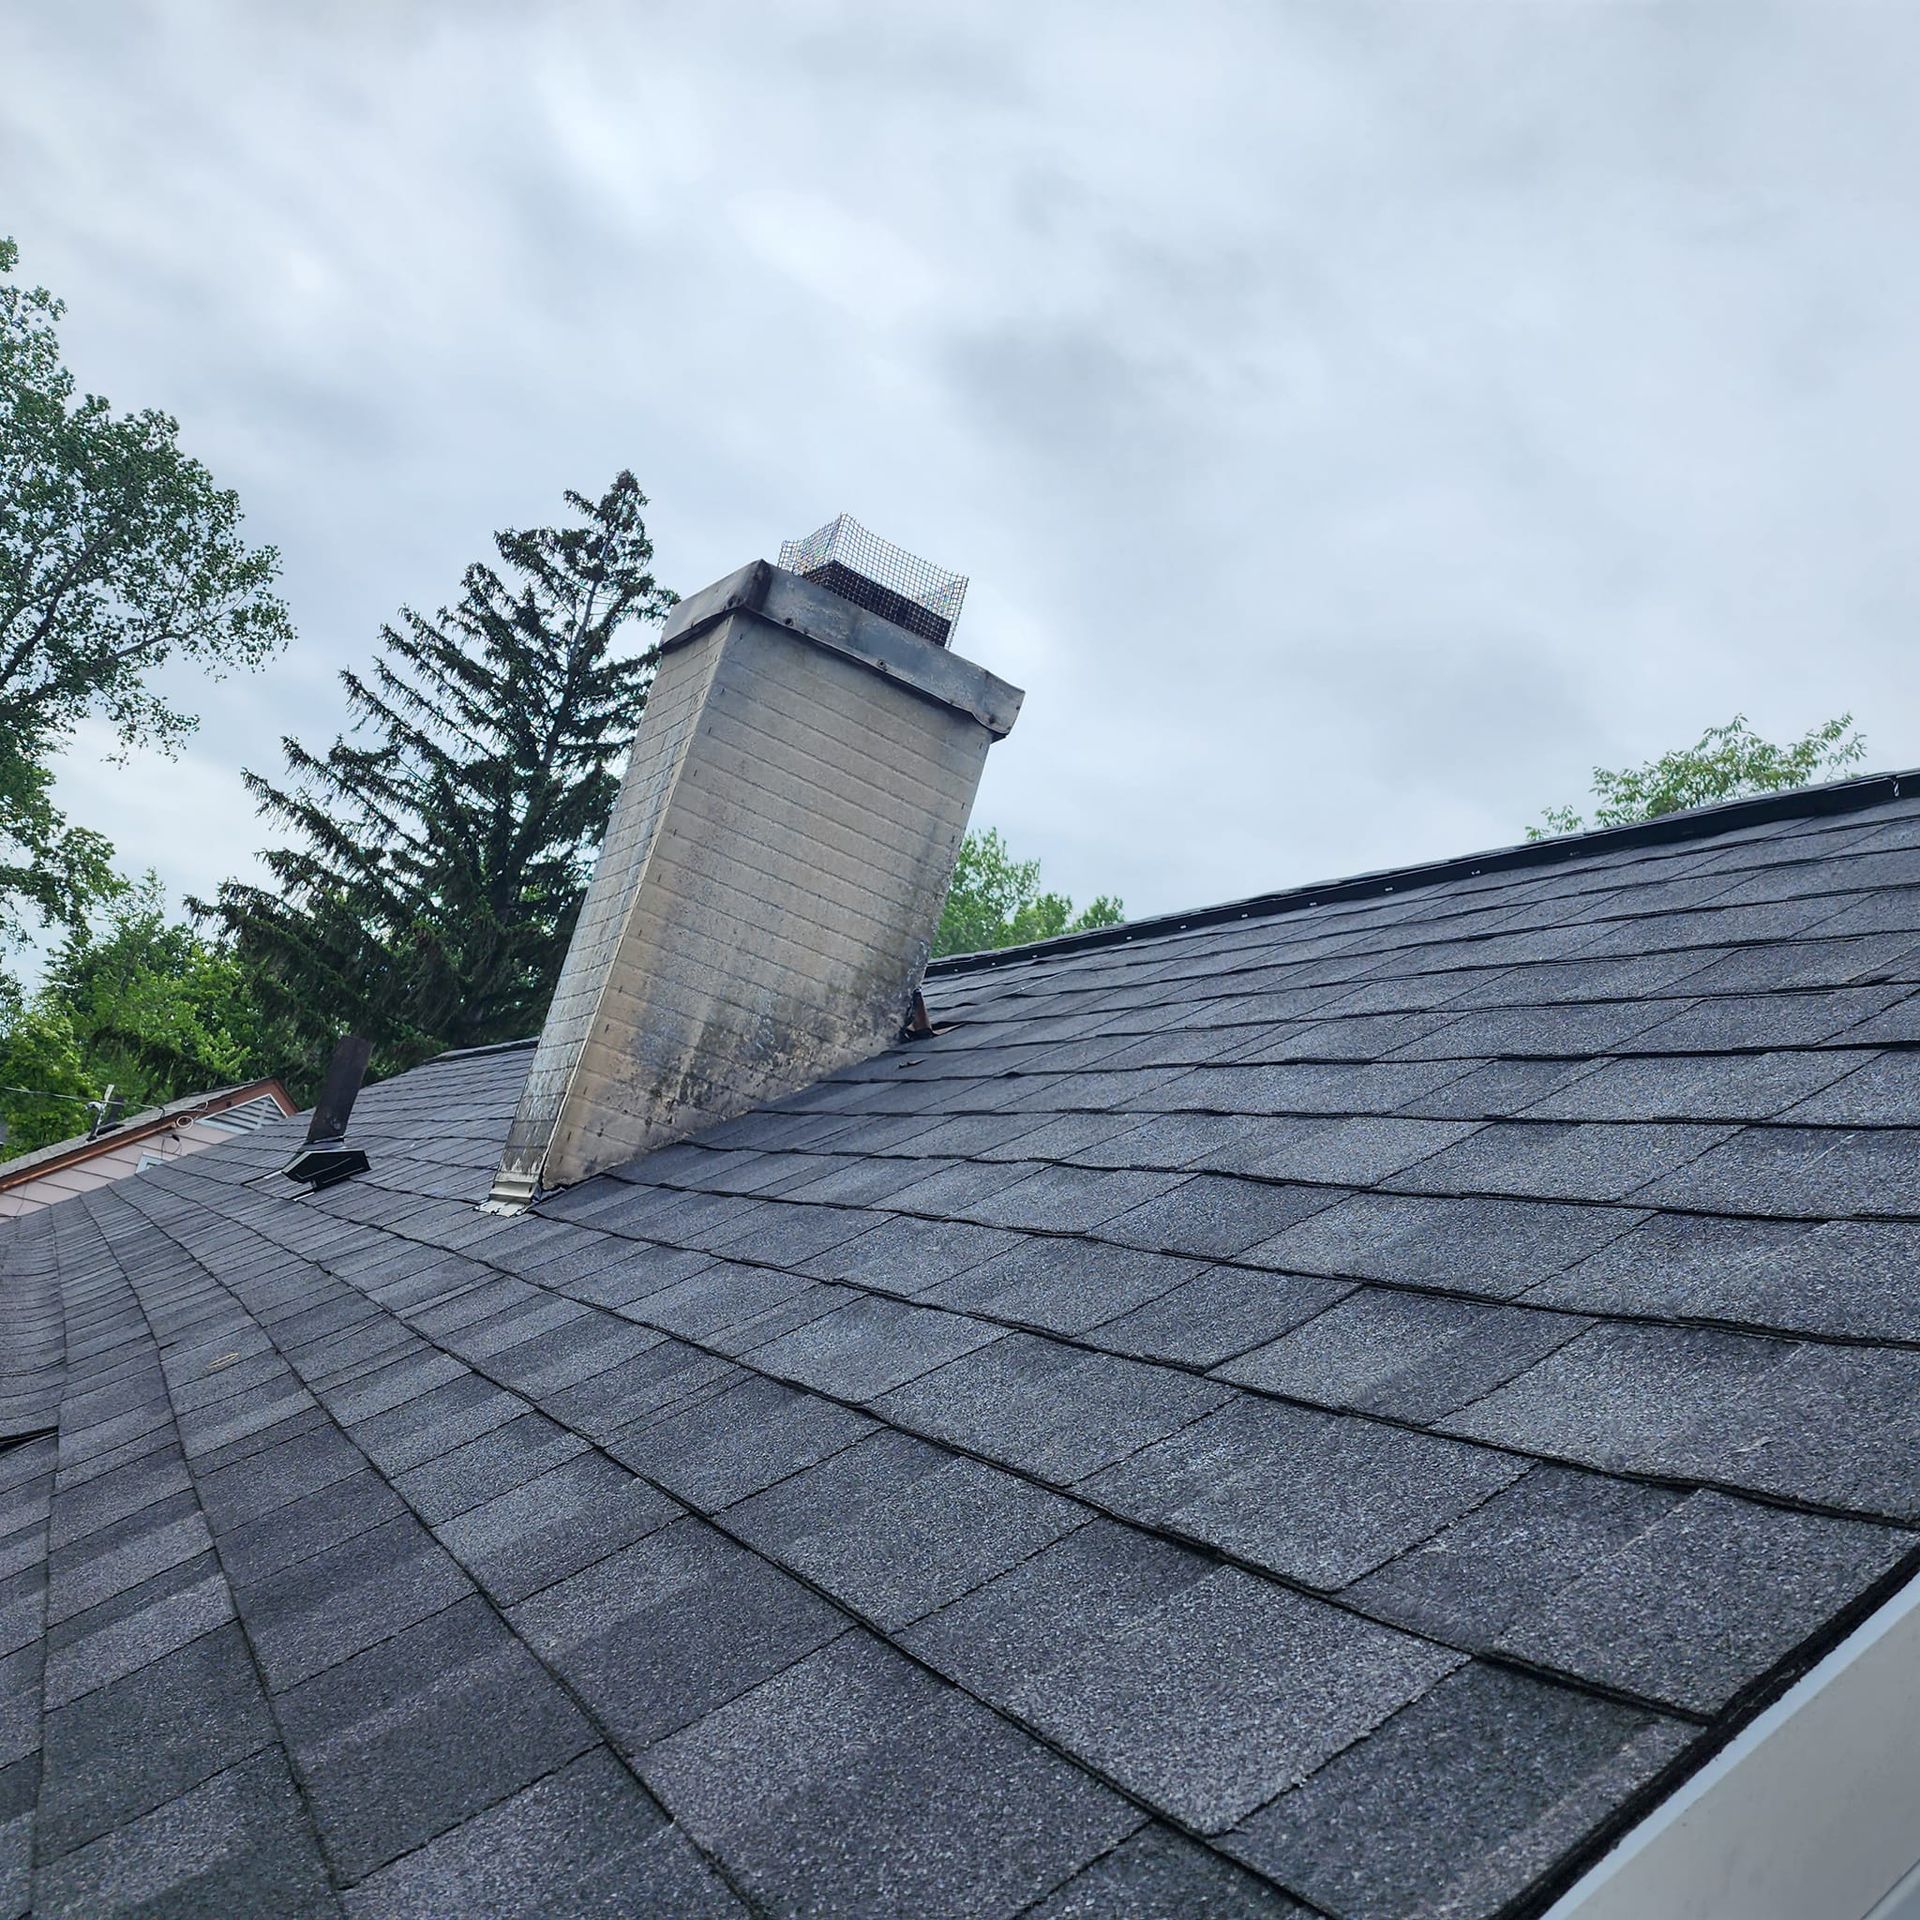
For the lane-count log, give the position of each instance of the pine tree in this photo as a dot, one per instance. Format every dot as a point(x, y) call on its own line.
point(442, 848)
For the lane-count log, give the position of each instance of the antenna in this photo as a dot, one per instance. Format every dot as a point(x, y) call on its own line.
point(106, 1111)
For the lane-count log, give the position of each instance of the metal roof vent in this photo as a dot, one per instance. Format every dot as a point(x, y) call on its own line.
point(873, 573)
point(326, 1158)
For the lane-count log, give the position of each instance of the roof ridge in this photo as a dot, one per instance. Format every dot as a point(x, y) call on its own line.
point(525, 1045)
point(1687, 823)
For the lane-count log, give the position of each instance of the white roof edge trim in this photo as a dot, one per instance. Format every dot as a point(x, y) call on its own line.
point(1812, 1809)
point(1903, 1901)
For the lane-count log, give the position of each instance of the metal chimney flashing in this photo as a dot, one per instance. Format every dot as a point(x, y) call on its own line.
point(821, 616)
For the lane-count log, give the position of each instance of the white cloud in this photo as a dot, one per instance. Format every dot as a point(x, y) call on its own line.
point(188, 818)
point(1357, 419)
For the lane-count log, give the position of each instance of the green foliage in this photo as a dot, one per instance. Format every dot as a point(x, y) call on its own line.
point(117, 551)
point(440, 854)
point(58, 870)
point(117, 554)
point(157, 1007)
point(136, 1001)
point(39, 1051)
point(1724, 763)
point(996, 901)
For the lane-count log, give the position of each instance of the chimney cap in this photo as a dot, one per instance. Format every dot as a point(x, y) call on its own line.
point(814, 613)
point(847, 559)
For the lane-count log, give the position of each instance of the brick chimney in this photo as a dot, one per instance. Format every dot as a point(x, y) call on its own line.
point(776, 862)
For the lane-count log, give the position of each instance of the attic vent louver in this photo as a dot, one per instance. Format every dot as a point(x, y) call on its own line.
point(873, 573)
point(326, 1158)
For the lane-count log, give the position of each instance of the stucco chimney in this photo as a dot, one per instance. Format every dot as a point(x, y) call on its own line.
point(775, 865)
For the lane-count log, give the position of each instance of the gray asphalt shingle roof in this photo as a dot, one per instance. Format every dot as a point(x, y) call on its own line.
point(1332, 1412)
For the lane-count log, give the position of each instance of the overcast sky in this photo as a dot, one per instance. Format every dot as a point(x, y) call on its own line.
point(1356, 420)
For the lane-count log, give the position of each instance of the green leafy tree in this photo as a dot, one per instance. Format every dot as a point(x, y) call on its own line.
point(117, 554)
point(56, 869)
point(1724, 763)
point(439, 853)
point(44, 1082)
point(135, 1000)
point(996, 901)
point(158, 1009)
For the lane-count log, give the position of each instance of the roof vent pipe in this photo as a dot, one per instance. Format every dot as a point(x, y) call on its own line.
point(776, 862)
point(326, 1158)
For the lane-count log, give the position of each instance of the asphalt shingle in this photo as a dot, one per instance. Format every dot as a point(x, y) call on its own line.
point(237, 1843)
point(1158, 1874)
point(1811, 1173)
point(665, 1630)
point(399, 1743)
point(1620, 1394)
point(1706, 1600)
point(508, 1457)
point(567, 1519)
point(1508, 1557)
point(748, 1436)
point(1414, 1355)
point(1843, 1277)
point(298, 1529)
point(1094, 1584)
point(1317, 1497)
point(1736, 1086)
point(908, 1256)
point(1220, 1312)
point(306, 1616)
point(895, 1528)
point(1054, 1411)
point(131, 1746)
point(1213, 1216)
point(1527, 1767)
point(1595, 1160)
point(1494, 1247)
point(1231, 1690)
point(867, 1346)
point(1063, 1285)
point(136, 1627)
point(934, 1804)
point(114, 1558)
point(657, 1379)
point(585, 1839)
point(1308, 1375)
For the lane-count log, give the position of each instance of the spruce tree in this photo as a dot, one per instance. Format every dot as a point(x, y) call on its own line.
point(441, 849)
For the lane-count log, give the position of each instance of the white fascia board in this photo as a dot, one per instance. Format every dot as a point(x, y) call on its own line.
point(1810, 1813)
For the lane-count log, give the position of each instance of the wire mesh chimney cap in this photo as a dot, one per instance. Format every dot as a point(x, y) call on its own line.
point(873, 573)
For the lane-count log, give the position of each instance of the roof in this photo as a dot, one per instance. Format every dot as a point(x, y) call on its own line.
point(1335, 1410)
point(48, 1174)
